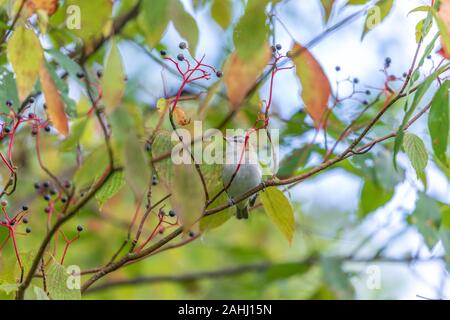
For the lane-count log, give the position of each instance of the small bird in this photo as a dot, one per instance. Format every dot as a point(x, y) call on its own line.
point(244, 173)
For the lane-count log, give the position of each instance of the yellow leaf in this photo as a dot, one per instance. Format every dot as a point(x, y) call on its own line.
point(316, 89)
point(113, 79)
point(55, 105)
point(25, 55)
point(279, 210)
point(241, 76)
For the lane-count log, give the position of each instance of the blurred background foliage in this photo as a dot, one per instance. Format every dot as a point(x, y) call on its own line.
point(376, 225)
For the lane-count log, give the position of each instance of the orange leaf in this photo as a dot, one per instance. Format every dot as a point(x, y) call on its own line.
point(444, 14)
point(316, 89)
point(49, 6)
point(55, 105)
point(240, 76)
point(181, 117)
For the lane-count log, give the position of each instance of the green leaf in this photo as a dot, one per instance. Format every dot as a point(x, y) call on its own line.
point(76, 132)
point(221, 11)
point(376, 15)
point(40, 294)
point(113, 79)
point(213, 178)
point(416, 151)
point(373, 196)
point(58, 284)
point(110, 188)
point(336, 278)
point(187, 186)
point(66, 62)
point(444, 236)
point(279, 210)
point(185, 24)
point(26, 56)
point(162, 145)
point(250, 33)
point(438, 122)
point(153, 19)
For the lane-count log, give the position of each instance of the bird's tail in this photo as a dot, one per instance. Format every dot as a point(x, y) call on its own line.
point(242, 212)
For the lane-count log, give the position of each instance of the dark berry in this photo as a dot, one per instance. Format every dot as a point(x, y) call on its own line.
point(24, 208)
point(148, 147)
point(47, 210)
point(182, 45)
point(82, 194)
point(28, 230)
point(34, 132)
point(45, 106)
point(80, 75)
point(9, 103)
point(99, 73)
point(154, 180)
point(162, 213)
point(37, 185)
point(163, 53)
point(63, 199)
point(356, 80)
point(12, 223)
point(172, 213)
point(47, 197)
point(53, 192)
point(48, 129)
point(365, 102)
point(368, 92)
point(31, 115)
point(387, 61)
point(7, 130)
point(219, 74)
point(429, 57)
point(25, 220)
point(338, 68)
point(79, 228)
point(278, 47)
point(46, 184)
point(180, 57)
point(67, 184)
point(405, 74)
